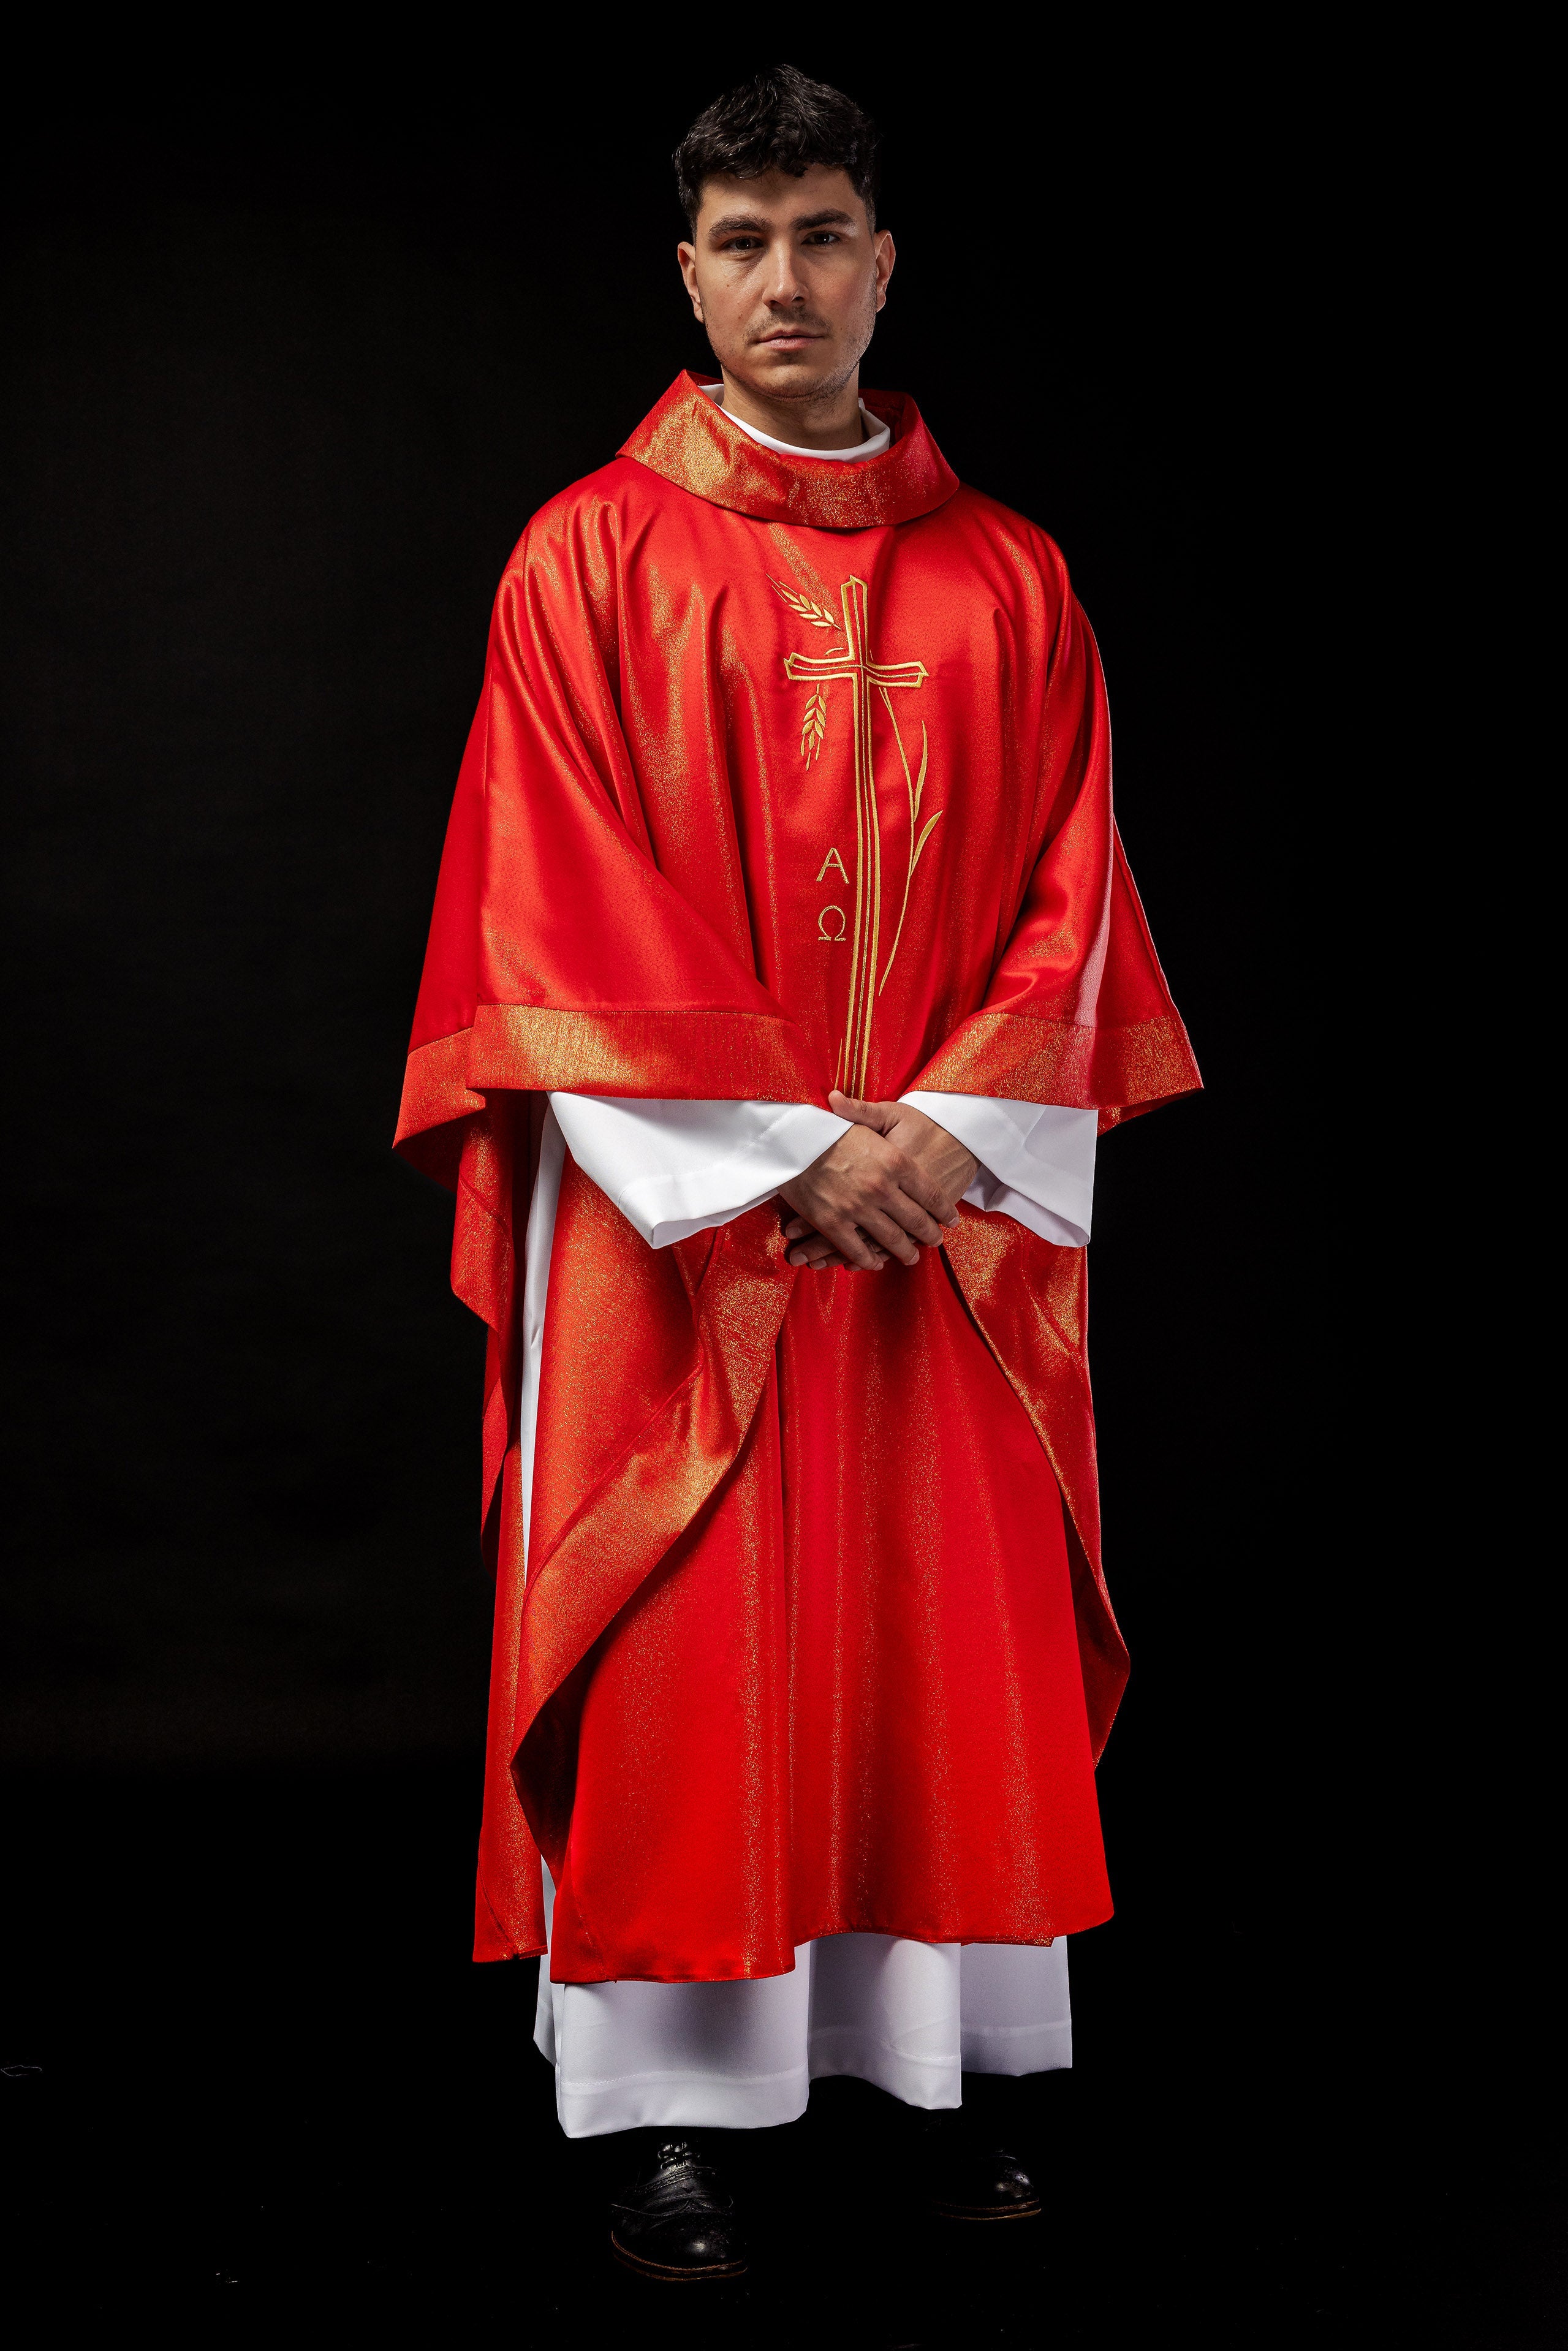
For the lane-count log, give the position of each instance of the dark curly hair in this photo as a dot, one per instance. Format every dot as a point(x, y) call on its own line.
point(778, 122)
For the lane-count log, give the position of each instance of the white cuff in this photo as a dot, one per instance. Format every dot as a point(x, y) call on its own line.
point(1037, 1159)
point(674, 1168)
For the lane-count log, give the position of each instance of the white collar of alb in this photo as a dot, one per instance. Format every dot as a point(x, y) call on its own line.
point(879, 435)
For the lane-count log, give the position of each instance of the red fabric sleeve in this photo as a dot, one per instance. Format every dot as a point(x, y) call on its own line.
point(1077, 1011)
point(560, 955)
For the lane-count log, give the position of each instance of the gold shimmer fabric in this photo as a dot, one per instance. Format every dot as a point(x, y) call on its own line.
point(785, 775)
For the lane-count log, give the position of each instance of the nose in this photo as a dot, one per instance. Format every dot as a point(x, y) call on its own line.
point(782, 286)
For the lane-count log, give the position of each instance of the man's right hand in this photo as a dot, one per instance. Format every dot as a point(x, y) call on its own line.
point(870, 1199)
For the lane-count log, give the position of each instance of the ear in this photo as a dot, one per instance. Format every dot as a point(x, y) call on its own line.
point(686, 259)
point(885, 258)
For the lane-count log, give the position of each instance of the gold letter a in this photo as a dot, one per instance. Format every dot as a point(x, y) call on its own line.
point(832, 863)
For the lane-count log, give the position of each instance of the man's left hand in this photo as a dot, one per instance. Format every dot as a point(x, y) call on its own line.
point(942, 1160)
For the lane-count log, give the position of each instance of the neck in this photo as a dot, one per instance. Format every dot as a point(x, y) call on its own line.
point(827, 420)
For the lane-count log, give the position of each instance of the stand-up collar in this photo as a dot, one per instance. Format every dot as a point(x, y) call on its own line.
point(690, 441)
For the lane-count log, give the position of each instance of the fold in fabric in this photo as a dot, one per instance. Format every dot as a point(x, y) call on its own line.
point(674, 1168)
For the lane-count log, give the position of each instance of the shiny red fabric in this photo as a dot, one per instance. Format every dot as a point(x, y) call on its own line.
point(785, 773)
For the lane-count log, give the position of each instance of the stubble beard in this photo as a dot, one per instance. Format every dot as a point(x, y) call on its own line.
point(824, 389)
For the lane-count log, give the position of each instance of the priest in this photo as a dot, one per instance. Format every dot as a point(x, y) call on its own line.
point(785, 968)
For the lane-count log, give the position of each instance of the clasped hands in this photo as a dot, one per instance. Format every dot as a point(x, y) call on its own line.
point(885, 1188)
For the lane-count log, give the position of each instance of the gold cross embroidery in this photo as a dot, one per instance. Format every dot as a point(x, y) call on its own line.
point(858, 664)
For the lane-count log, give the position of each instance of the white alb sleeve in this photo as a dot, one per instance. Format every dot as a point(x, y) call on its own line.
point(1036, 1160)
point(674, 1168)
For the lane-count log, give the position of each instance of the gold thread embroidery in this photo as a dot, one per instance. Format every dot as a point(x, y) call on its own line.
point(808, 608)
point(859, 666)
point(914, 788)
point(833, 937)
point(814, 725)
point(833, 863)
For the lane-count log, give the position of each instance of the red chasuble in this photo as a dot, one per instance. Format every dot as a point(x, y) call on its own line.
point(786, 773)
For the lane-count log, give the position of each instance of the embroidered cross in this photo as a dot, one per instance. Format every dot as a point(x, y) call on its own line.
point(859, 666)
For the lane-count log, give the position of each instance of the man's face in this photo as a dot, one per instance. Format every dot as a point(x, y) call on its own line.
point(788, 276)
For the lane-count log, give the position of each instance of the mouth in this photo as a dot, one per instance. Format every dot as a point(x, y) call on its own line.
point(788, 340)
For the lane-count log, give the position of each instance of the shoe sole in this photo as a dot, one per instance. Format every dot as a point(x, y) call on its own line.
point(669, 2276)
point(985, 2212)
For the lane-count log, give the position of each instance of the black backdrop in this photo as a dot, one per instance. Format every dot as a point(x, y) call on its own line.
point(290, 382)
point(284, 403)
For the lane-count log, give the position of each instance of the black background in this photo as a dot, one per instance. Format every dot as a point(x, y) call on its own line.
point(289, 379)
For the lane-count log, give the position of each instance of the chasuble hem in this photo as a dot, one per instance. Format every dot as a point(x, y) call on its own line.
point(930, 1939)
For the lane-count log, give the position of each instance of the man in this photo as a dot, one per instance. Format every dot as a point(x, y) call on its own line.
point(785, 966)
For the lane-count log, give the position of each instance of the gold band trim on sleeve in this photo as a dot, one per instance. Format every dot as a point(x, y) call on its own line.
point(1065, 1061)
point(538, 1049)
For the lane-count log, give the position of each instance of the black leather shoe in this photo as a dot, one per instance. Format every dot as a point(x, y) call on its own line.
point(678, 2223)
point(966, 2181)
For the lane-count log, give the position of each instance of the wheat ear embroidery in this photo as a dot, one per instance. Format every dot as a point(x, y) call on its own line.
point(806, 607)
point(814, 725)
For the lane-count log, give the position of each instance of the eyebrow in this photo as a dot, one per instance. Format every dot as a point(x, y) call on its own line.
point(734, 222)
